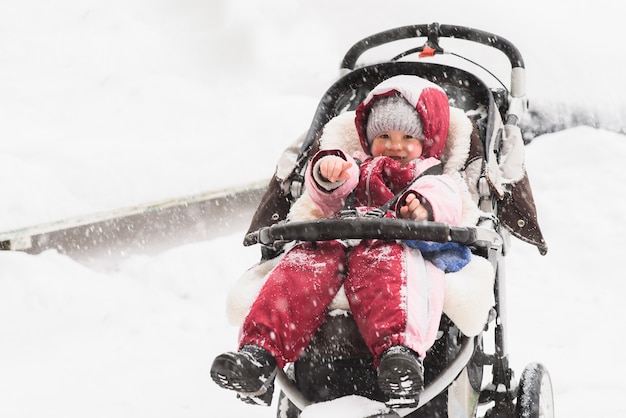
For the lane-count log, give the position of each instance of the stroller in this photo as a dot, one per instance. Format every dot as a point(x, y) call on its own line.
point(457, 383)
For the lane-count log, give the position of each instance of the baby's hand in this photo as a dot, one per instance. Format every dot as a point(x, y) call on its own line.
point(334, 168)
point(413, 209)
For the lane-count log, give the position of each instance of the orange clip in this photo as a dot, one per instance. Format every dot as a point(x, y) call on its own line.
point(427, 52)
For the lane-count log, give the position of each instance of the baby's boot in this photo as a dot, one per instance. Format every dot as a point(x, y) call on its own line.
point(250, 372)
point(401, 376)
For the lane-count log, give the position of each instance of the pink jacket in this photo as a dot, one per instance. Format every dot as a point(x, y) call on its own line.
point(379, 179)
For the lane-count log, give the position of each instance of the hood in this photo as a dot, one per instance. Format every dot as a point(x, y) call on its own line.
point(430, 101)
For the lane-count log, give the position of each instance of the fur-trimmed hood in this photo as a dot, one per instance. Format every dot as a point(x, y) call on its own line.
point(429, 101)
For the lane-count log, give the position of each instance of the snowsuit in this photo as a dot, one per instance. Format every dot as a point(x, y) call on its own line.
point(395, 296)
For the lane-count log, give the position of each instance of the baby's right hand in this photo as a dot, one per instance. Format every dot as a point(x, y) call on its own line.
point(334, 168)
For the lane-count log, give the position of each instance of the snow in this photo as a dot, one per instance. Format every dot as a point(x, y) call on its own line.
point(108, 104)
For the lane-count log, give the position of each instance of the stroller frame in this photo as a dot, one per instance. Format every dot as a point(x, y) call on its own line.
point(465, 358)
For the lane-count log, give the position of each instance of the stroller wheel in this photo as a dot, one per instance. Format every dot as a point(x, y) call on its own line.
point(534, 398)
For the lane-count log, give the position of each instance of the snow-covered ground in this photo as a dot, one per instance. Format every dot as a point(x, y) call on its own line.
point(107, 104)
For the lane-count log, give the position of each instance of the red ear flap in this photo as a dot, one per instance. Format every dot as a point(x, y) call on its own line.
point(434, 110)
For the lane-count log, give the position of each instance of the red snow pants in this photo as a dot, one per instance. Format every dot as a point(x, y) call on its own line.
point(395, 297)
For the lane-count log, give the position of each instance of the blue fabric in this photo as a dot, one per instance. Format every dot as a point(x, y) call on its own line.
point(447, 256)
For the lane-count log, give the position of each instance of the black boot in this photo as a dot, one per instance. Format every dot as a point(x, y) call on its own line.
point(250, 372)
point(401, 376)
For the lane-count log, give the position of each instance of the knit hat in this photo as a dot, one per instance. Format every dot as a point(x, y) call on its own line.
point(392, 113)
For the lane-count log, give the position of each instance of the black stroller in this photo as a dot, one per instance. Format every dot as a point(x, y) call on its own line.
point(463, 378)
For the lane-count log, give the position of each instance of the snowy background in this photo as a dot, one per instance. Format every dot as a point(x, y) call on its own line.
point(108, 104)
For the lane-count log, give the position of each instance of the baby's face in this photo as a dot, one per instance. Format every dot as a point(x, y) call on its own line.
point(398, 145)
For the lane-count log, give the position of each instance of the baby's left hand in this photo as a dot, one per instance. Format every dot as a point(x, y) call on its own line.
point(413, 209)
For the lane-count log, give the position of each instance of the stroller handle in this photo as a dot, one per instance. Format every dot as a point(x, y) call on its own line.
point(362, 228)
point(434, 32)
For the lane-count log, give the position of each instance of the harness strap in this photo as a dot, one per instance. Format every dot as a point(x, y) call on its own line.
point(382, 210)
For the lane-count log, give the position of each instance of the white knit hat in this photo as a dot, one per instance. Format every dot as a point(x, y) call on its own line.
point(393, 113)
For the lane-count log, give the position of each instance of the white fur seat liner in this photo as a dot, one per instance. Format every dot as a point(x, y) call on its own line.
point(468, 292)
